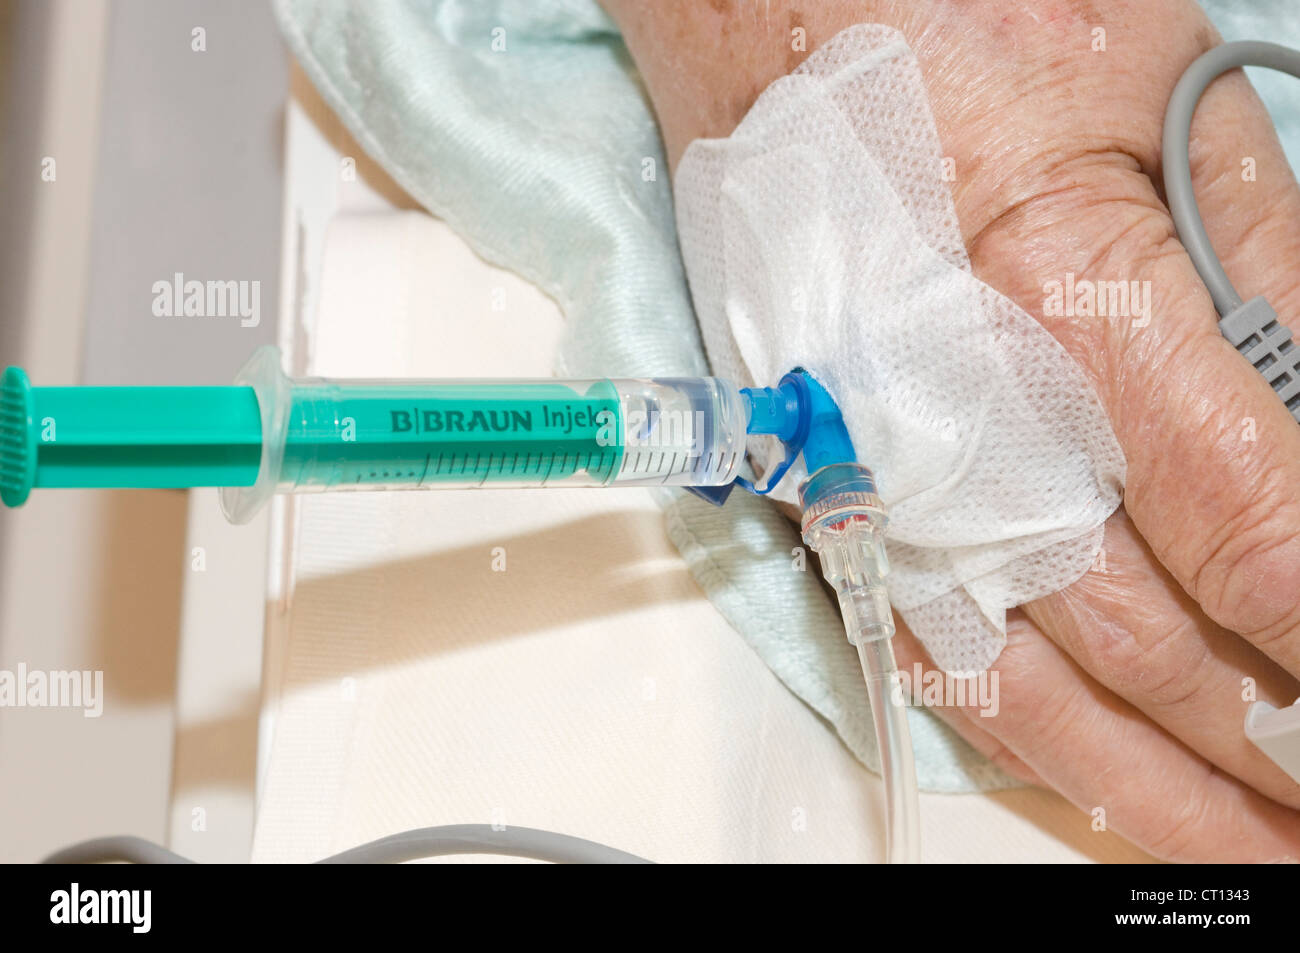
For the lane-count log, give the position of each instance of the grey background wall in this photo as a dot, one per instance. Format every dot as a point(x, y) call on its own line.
point(168, 159)
point(187, 180)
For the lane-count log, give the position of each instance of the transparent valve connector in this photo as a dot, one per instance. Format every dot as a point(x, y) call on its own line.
point(844, 523)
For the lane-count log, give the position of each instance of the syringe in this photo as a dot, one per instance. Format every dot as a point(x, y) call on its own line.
point(271, 434)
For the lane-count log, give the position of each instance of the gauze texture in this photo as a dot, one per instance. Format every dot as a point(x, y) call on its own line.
point(822, 234)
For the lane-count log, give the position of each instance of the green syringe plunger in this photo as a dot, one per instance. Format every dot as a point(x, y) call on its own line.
point(268, 434)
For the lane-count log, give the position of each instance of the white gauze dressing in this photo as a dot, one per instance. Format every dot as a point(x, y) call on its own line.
point(821, 234)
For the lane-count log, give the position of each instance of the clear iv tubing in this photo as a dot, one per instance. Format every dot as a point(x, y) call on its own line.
point(894, 742)
point(844, 523)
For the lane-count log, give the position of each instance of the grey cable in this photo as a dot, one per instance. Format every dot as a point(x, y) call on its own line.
point(483, 839)
point(1252, 327)
point(1177, 165)
point(408, 845)
point(108, 850)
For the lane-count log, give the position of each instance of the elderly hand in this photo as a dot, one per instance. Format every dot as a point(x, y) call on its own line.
point(1127, 691)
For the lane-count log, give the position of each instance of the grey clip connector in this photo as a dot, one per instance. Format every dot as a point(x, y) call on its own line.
point(1254, 330)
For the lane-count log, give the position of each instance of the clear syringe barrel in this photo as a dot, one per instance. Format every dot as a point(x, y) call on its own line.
point(320, 434)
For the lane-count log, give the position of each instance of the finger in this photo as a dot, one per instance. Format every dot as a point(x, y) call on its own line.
point(909, 654)
point(1101, 752)
point(1134, 630)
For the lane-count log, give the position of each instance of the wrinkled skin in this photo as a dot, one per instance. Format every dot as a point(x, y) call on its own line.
point(1125, 691)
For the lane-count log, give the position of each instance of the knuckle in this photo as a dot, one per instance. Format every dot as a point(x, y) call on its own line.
point(1153, 664)
point(1145, 650)
point(1057, 717)
point(1004, 759)
point(1096, 217)
point(1247, 574)
point(1177, 836)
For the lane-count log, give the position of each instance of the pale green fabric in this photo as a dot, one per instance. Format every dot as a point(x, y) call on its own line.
point(523, 125)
